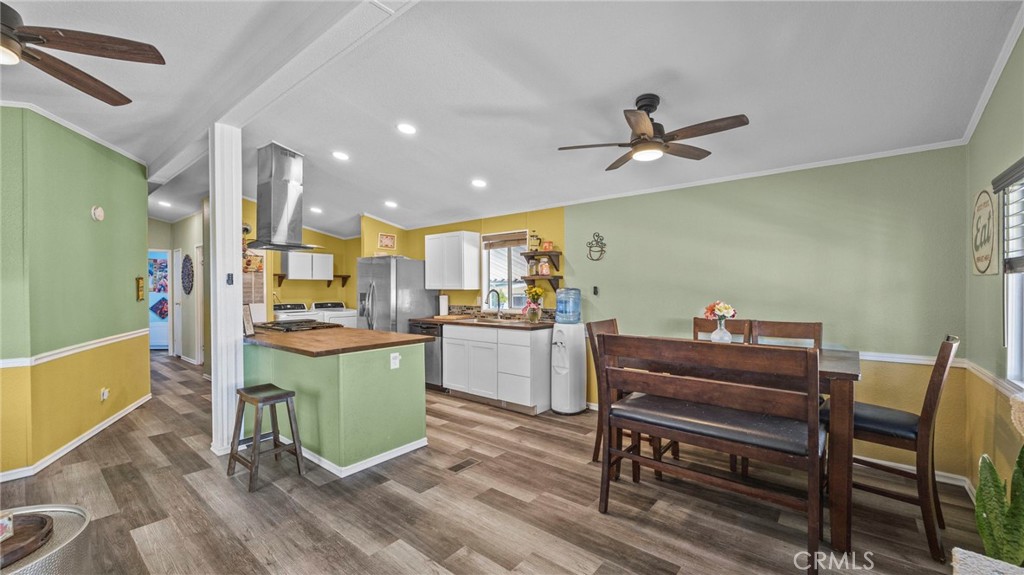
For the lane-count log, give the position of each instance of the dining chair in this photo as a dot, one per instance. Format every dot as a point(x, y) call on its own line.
point(790, 332)
point(739, 328)
point(912, 432)
point(611, 326)
point(756, 401)
point(785, 330)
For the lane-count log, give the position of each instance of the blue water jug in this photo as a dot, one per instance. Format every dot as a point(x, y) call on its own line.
point(567, 305)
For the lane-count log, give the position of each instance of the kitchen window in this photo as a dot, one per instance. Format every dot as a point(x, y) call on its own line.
point(1010, 185)
point(503, 270)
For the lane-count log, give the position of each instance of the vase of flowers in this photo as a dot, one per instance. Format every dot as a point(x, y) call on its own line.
point(720, 311)
point(533, 303)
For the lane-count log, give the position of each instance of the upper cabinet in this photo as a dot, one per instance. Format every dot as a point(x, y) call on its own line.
point(453, 261)
point(307, 266)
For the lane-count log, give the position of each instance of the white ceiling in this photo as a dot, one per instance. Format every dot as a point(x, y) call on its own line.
point(496, 87)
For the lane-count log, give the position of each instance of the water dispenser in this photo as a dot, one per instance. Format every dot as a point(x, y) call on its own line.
point(567, 305)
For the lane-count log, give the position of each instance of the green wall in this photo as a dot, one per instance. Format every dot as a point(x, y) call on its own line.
point(159, 234)
point(186, 234)
point(997, 143)
point(873, 249)
point(14, 319)
point(77, 277)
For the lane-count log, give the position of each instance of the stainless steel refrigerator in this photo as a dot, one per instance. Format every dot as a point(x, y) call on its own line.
point(391, 293)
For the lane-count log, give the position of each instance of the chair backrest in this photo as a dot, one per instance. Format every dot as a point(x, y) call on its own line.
point(739, 328)
point(940, 372)
point(594, 329)
point(776, 380)
point(787, 330)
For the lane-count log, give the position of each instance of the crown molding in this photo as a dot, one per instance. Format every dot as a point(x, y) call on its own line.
point(997, 72)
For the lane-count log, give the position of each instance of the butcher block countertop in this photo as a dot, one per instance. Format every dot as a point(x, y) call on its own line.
point(324, 342)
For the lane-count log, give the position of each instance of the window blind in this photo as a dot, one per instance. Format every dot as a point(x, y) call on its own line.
point(1011, 184)
point(504, 240)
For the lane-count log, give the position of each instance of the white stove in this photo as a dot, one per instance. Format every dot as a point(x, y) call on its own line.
point(336, 312)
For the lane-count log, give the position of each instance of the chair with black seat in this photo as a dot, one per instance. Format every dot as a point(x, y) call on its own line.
point(739, 328)
point(611, 326)
point(754, 401)
point(905, 430)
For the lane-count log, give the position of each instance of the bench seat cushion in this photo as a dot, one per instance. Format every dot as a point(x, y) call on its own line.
point(765, 431)
point(879, 420)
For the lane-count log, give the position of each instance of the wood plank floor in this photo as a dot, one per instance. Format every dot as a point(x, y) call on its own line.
point(494, 492)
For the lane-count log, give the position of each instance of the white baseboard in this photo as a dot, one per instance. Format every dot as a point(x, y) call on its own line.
point(348, 469)
point(189, 360)
point(207, 377)
point(592, 406)
point(44, 462)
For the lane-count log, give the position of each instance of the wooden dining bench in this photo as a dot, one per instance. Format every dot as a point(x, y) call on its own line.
point(753, 401)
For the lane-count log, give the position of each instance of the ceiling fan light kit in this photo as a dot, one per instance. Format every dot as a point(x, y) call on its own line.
point(649, 141)
point(20, 43)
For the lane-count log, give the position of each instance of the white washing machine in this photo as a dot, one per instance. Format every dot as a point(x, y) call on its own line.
point(336, 312)
point(569, 368)
point(295, 311)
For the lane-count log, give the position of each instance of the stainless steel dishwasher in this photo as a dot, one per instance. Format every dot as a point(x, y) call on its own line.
point(431, 351)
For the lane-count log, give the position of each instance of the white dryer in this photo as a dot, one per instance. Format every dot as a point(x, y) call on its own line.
point(336, 312)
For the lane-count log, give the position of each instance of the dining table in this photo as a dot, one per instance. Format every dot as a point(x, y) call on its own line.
point(838, 369)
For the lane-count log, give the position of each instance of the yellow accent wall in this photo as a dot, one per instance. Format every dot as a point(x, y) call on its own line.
point(15, 418)
point(370, 227)
point(47, 406)
point(548, 224)
point(988, 428)
point(307, 291)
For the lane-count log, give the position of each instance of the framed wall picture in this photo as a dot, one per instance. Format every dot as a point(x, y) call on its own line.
point(984, 232)
point(247, 326)
point(387, 241)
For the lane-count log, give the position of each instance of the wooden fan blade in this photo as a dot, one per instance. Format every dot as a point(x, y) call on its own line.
point(91, 44)
point(705, 128)
point(73, 77)
point(639, 122)
point(622, 160)
point(686, 151)
point(593, 146)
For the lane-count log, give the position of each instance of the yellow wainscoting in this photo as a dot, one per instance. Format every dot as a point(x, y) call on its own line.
point(49, 405)
point(988, 428)
point(15, 418)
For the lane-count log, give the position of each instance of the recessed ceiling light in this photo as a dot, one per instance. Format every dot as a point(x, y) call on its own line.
point(316, 210)
point(165, 204)
point(340, 155)
point(407, 128)
point(391, 204)
point(478, 183)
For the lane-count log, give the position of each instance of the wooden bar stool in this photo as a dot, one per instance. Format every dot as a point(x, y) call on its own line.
point(260, 396)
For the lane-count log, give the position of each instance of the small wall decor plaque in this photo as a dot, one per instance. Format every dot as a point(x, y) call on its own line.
point(983, 232)
point(596, 248)
point(387, 241)
point(187, 273)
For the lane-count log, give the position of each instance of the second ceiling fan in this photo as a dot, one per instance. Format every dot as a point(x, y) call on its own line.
point(649, 140)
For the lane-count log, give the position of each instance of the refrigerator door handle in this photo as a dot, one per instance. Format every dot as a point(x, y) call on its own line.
point(370, 297)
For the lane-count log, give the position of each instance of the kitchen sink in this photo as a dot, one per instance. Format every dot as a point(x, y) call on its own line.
point(496, 321)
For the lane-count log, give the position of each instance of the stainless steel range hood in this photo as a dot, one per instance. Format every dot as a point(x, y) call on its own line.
point(278, 199)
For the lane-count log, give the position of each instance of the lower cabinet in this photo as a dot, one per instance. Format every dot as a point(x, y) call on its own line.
point(512, 366)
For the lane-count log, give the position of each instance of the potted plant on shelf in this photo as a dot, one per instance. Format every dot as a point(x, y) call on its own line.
point(533, 303)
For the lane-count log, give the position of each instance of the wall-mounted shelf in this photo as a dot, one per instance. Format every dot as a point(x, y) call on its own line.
point(553, 256)
point(344, 279)
point(555, 280)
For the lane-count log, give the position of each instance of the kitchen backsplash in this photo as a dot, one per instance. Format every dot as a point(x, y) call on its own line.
point(546, 314)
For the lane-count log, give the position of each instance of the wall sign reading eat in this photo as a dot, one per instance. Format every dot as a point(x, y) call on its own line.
point(983, 234)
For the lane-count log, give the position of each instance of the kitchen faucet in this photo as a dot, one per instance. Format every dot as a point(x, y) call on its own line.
point(488, 299)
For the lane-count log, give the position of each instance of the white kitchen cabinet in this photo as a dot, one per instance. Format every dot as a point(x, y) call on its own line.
point(452, 261)
point(307, 266)
point(455, 364)
point(511, 366)
point(323, 266)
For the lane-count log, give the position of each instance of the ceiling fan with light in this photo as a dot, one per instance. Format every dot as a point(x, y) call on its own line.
point(20, 43)
point(649, 140)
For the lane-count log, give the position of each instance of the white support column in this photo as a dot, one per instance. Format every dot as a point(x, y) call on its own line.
point(225, 279)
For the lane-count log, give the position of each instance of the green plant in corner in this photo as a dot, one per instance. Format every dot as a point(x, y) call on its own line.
point(1001, 523)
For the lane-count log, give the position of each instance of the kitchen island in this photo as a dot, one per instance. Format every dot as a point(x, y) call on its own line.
point(359, 394)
